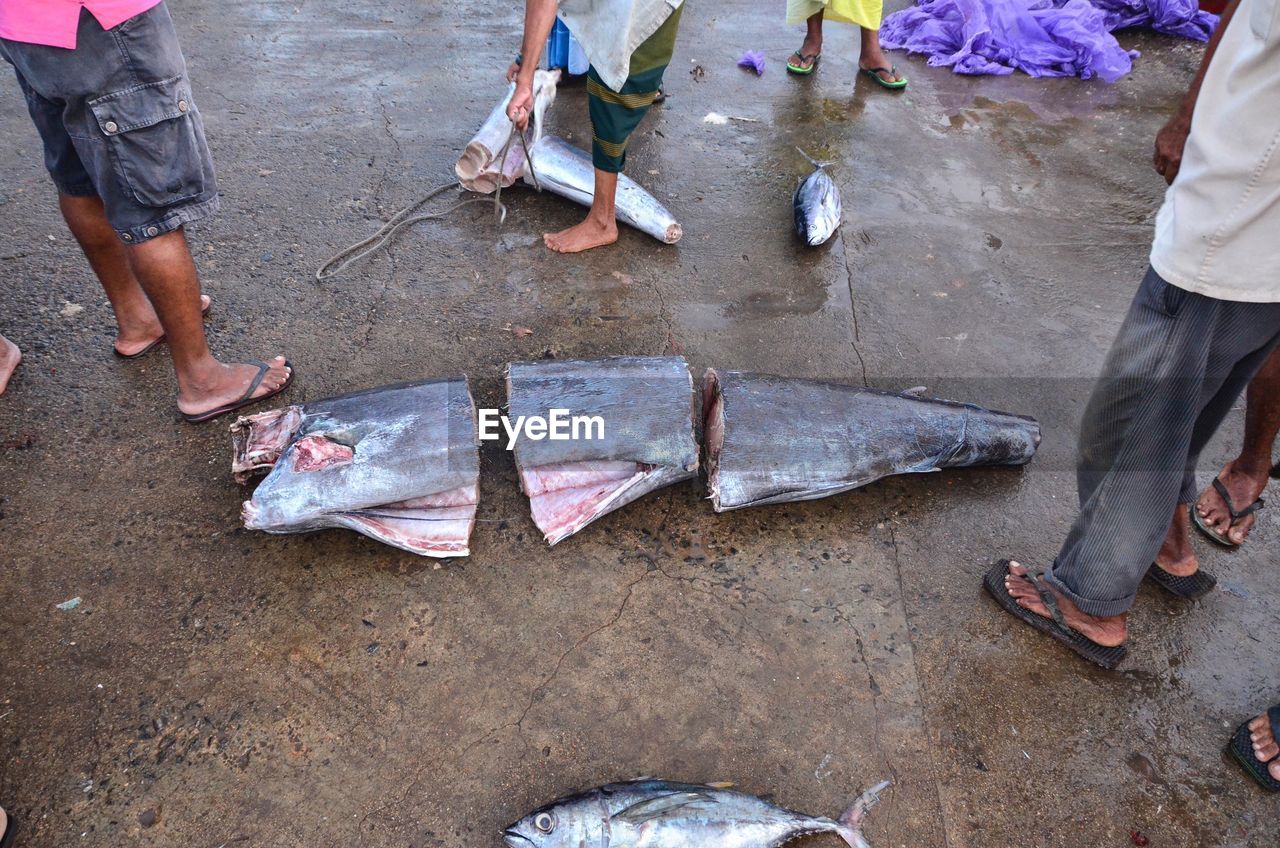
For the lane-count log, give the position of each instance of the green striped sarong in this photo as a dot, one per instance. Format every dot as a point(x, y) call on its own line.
point(615, 114)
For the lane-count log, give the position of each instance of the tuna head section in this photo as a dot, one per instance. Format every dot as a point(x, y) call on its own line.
point(398, 464)
point(482, 167)
point(816, 207)
point(634, 422)
point(774, 439)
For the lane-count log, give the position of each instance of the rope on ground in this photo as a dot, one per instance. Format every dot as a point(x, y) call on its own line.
point(348, 256)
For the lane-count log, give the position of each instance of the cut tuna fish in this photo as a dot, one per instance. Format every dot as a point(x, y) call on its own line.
point(776, 439)
point(563, 169)
point(397, 463)
point(479, 168)
point(646, 407)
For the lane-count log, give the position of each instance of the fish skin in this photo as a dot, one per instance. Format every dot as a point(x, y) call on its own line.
point(650, 813)
point(816, 207)
point(649, 409)
point(840, 437)
point(563, 169)
point(407, 441)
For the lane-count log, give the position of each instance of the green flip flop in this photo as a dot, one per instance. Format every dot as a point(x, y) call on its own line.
point(800, 70)
point(875, 73)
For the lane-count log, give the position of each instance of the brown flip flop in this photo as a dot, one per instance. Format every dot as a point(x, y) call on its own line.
point(246, 399)
point(205, 305)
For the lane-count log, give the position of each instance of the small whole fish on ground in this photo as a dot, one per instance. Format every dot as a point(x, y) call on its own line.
point(816, 205)
point(650, 813)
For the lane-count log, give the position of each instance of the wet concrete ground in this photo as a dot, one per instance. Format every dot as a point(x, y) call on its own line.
point(223, 688)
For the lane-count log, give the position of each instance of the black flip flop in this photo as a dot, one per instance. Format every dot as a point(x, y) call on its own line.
point(1235, 514)
point(1241, 749)
point(246, 399)
point(204, 311)
point(1191, 588)
point(993, 582)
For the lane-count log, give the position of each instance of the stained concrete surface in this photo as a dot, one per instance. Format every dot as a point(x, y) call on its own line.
point(222, 688)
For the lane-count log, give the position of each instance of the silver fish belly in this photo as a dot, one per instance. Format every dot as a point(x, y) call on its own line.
point(816, 207)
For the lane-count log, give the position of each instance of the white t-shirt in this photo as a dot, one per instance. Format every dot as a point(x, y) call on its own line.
point(1218, 232)
point(611, 30)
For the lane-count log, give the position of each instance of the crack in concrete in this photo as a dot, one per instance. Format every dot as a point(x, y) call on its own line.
point(853, 307)
point(924, 715)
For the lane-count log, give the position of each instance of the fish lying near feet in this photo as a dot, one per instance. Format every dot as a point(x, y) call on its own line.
point(649, 813)
point(776, 439)
point(645, 408)
point(399, 464)
point(563, 169)
point(816, 205)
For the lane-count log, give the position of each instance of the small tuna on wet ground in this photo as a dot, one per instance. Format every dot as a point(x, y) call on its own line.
point(646, 407)
point(398, 463)
point(816, 205)
point(776, 439)
point(649, 813)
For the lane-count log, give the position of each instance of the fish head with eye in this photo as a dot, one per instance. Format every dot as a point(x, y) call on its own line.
point(552, 826)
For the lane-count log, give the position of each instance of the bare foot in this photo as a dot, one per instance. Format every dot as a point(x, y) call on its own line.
point(135, 339)
point(10, 356)
point(1176, 554)
point(590, 233)
point(1245, 486)
point(1109, 632)
point(1265, 747)
point(226, 384)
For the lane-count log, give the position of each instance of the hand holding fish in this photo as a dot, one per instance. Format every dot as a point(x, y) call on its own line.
point(521, 104)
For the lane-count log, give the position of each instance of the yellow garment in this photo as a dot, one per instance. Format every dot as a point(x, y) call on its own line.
point(864, 13)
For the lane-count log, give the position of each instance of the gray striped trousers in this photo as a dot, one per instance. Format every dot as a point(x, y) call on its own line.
point(1178, 364)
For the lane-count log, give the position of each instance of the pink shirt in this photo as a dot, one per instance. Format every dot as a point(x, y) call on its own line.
point(54, 22)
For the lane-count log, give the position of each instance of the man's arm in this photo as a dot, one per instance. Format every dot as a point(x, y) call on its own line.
point(539, 17)
point(1173, 136)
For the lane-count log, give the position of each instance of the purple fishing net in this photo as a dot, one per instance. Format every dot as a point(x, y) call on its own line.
point(1042, 38)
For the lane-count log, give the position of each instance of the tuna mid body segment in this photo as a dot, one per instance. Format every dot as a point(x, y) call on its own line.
point(636, 435)
point(398, 464)
point(776, 439)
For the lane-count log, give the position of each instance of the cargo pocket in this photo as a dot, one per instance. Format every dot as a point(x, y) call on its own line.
point(153, 140)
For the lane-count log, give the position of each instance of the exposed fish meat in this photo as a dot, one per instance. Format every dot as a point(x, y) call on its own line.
point(775, 439)
point(649, 813)
point(398, 463)
point(816, 205)
point(479, 168)
point(567, 171)
point(646, 406)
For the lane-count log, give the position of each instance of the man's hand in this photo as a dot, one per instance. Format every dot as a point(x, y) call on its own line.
point(512, 70)
point(521, 105)
point(1169, 143)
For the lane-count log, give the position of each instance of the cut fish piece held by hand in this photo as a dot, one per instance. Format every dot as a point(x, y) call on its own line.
point(776, 439)
point(398, 464)
point(493, 158)
point(645, 406)
point(649, 813)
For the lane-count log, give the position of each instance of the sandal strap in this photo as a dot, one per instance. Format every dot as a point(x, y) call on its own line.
point(1046, 597)
point(263, 368)
point(1236, 514)
point(1273, 715)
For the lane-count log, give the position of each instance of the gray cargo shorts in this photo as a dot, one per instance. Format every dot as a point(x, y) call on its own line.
point(118, 121)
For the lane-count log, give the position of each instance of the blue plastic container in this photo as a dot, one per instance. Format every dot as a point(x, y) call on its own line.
point(558, 46)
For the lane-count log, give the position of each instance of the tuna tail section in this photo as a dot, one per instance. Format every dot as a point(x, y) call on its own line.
point(850, 821)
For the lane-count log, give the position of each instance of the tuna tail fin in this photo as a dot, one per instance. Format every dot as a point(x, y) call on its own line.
point(814, 162)
point(850, 821)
